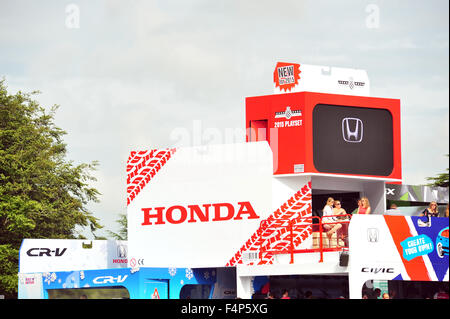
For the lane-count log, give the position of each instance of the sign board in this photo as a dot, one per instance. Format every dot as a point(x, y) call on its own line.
point(397, 248)
point(196, 206)
point(317, 133)
point(298, 77)
point(44, 255)
point(145, 283)
point(417, 193)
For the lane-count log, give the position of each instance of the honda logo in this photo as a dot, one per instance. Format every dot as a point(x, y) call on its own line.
point(352, 130)
point(372, 235)
point(121, 251)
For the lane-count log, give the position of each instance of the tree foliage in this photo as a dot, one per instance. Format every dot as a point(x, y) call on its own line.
point(42, 194)
point(123, 230)
point(440, 180)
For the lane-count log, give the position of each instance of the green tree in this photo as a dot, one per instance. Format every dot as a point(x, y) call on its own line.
point(123, 232)
point(440, 180)
point(42, 194)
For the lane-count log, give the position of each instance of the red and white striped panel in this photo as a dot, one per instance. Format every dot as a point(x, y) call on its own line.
point(273, 234)
point(142, 166)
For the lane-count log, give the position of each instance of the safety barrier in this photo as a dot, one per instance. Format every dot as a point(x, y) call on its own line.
point(328, 236)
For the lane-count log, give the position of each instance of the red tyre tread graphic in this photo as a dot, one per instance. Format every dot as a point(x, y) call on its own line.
point(273, 233)
point(142, 166)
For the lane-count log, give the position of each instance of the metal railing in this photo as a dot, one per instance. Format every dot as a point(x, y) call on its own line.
point(335, 232)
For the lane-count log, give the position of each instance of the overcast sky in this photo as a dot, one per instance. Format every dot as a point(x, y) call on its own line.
point(130, 74)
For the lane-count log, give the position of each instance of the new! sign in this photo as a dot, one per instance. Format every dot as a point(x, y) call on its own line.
point(286, 75)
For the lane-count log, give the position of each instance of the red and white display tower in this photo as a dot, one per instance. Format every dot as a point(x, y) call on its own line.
point(230, 205)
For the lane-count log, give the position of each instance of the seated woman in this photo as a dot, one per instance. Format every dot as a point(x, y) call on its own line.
point(328, 220)
point(365, 206)
point(342, 233)
point(430, 211)
point(338, 210)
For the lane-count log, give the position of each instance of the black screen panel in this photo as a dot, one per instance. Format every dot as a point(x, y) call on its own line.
point(352, 140)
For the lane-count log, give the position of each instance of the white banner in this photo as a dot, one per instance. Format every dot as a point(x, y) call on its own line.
point(293, 77)
point(196, 206)
point(396, 248)
point(45, 255)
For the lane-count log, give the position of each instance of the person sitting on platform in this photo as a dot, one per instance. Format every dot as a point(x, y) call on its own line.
point(365, 206)
point(430, 211)
point(338, 210)
point(393, 210)
point(285, 294)
point(328, 220)
point(341, 214)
